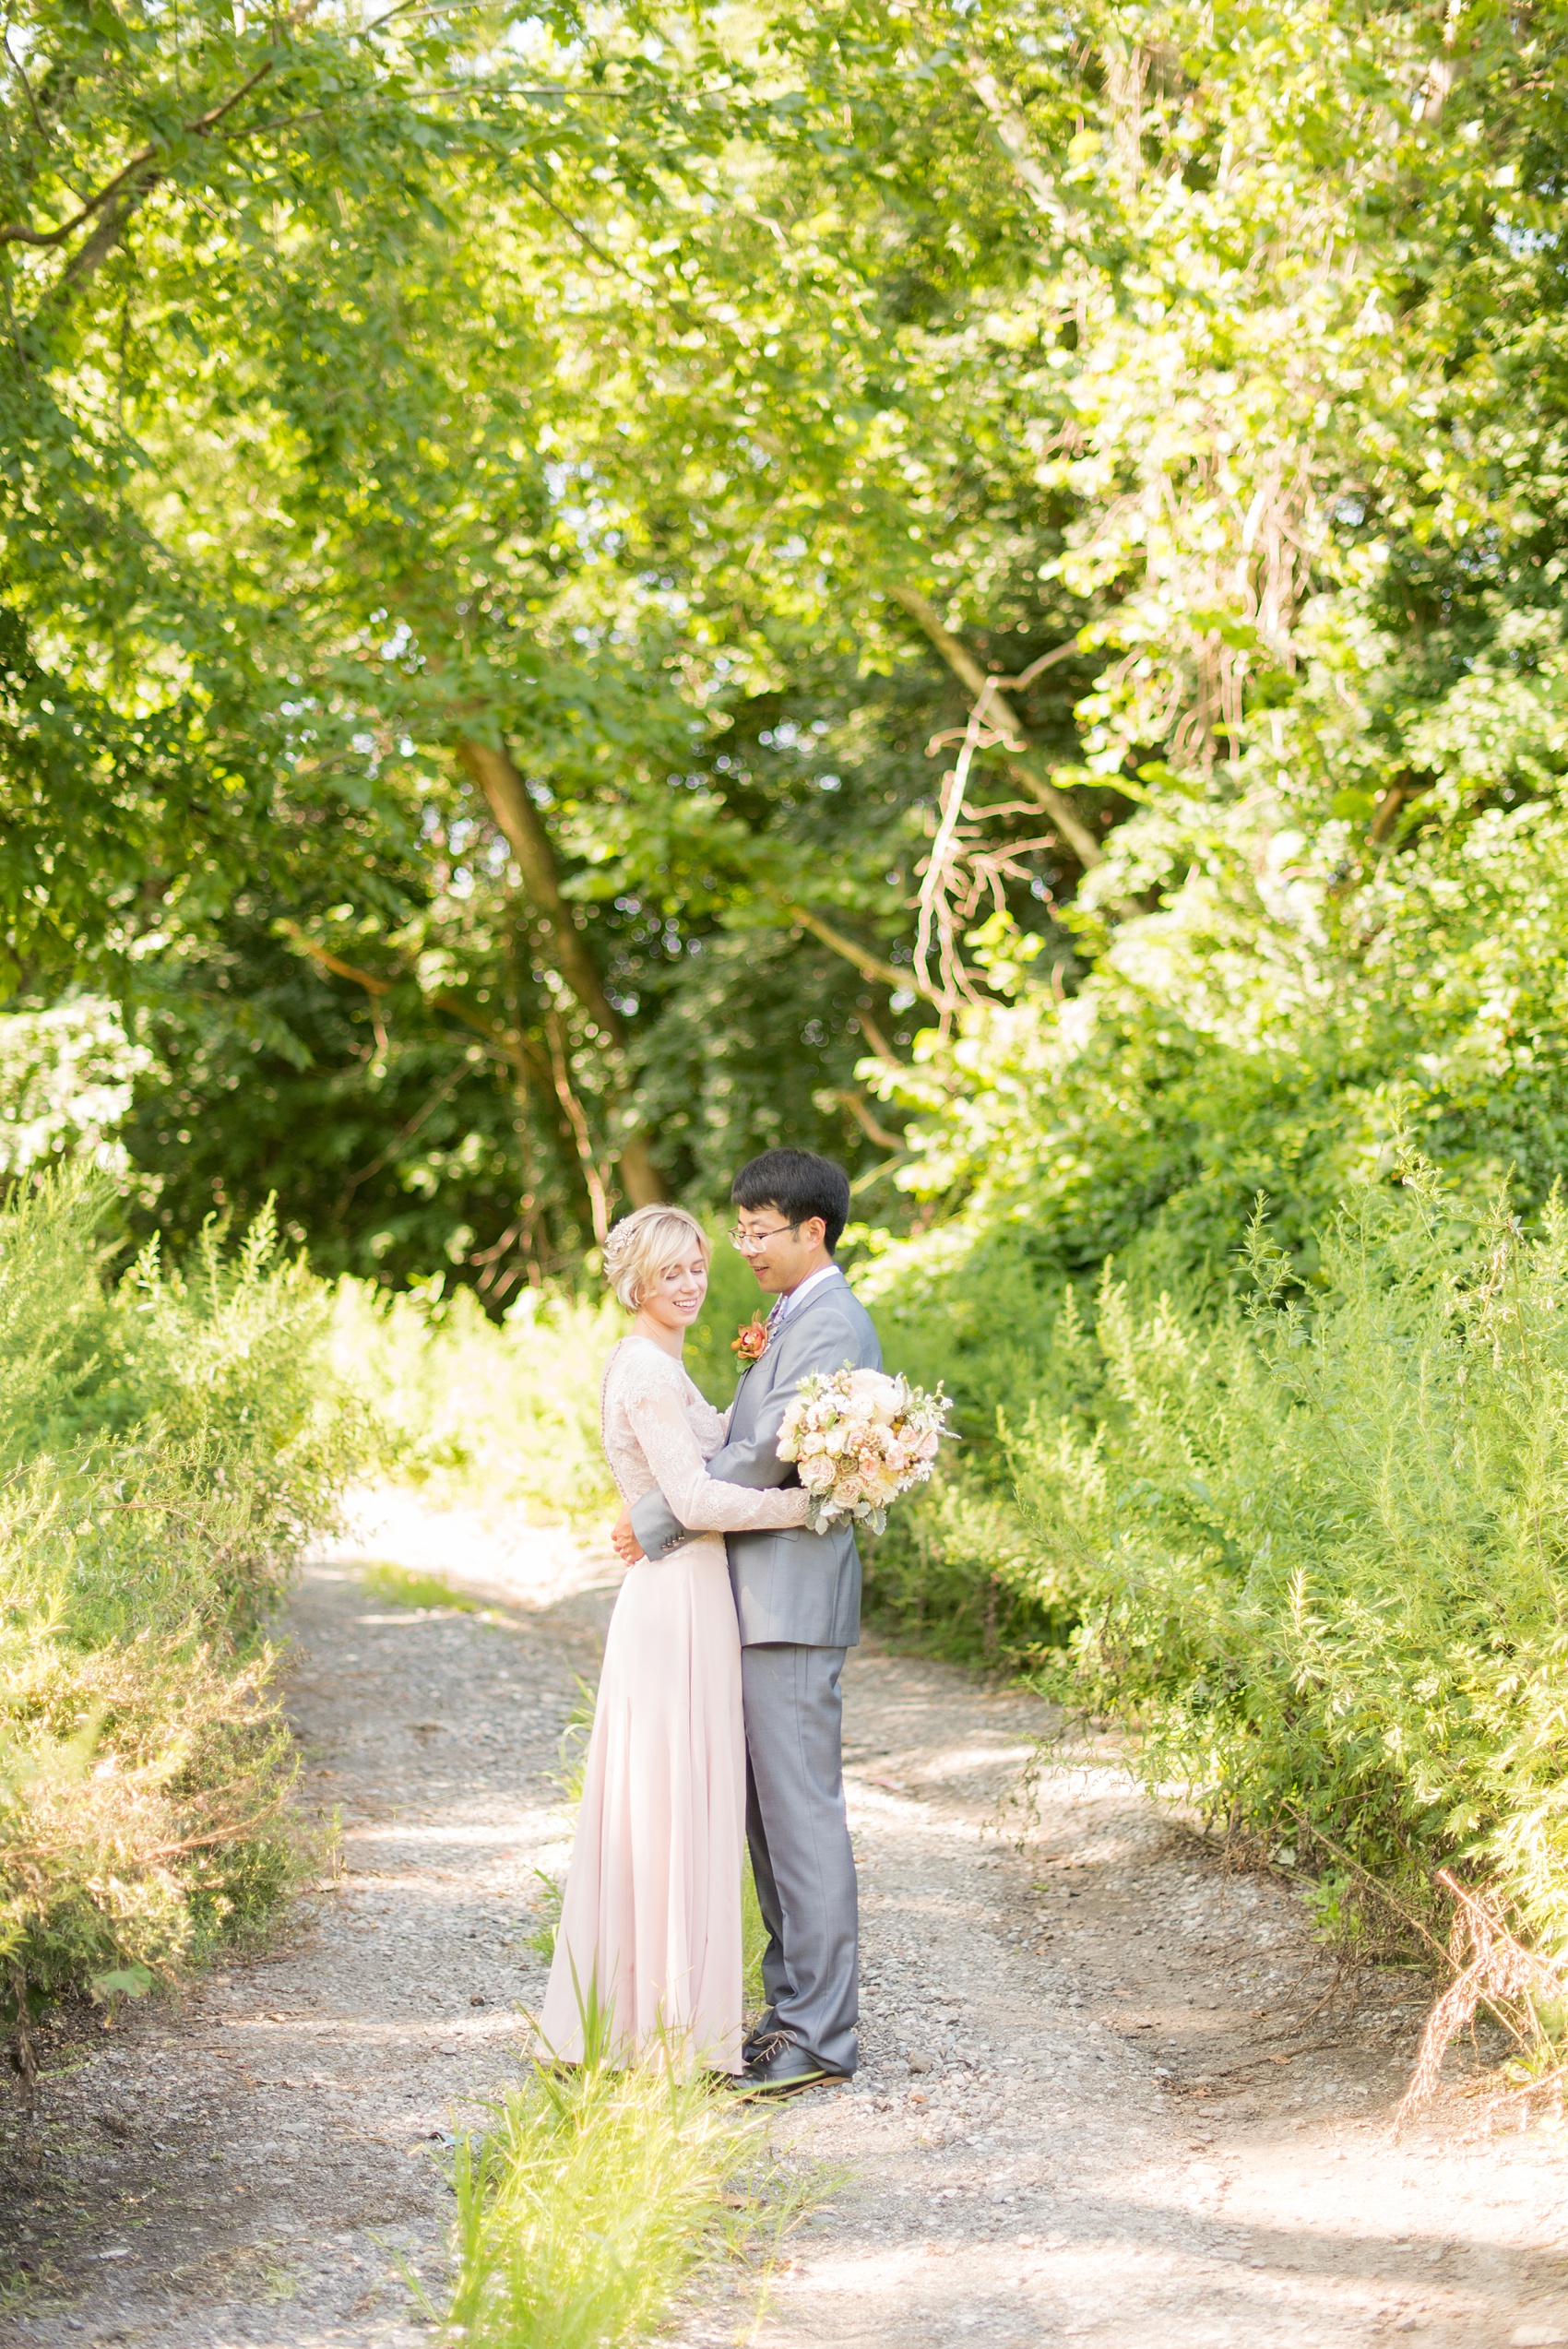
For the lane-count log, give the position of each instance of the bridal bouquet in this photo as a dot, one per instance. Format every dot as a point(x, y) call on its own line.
point(860, 1439)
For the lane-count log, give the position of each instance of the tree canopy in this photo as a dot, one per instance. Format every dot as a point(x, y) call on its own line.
point(583, 592)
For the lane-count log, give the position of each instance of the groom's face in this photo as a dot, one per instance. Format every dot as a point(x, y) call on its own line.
point(779, 1254)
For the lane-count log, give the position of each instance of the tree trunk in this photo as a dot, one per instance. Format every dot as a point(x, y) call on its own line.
point(506, 796)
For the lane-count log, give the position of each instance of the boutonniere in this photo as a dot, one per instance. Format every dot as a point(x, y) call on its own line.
point(750, 1341)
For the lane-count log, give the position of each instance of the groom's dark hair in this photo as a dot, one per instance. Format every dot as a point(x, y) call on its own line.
point(799, 1185)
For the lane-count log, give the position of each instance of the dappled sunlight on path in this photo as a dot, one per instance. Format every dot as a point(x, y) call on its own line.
point(1103, 2099)
point(1096, 2103)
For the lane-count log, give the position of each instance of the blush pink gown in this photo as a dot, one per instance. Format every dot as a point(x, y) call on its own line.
point(651, 1911)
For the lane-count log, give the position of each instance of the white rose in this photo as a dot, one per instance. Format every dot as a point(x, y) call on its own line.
point(877, 1393)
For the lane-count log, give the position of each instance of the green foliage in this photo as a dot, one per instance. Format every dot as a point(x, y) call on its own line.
point(635, 401)
point(1317, 1544)
point(401, 1586)
point(1267, 1032)
point(958, 1574)
point(481, 1414)
point(168, 1445)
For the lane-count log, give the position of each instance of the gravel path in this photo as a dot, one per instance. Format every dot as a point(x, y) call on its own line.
point(1103, 2099)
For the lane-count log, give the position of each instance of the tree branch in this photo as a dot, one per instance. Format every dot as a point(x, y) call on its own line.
point(501, 1039)
point(878, 1042)
point(870, 966)
point(870, 1126)
point(17, 232)
point(1014, 134)
point(963, 665)
point(508, 798)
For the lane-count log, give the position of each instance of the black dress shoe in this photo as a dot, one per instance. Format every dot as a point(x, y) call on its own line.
point(781, 2069)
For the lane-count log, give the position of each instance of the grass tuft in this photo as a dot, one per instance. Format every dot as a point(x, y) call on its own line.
point(401, 1587)
point(597, 2197)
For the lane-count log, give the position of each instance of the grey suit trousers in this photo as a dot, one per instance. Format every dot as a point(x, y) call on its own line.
point(799, 1847)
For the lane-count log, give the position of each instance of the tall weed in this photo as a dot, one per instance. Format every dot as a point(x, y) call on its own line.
point(1318, 1543)
point(166, 1445)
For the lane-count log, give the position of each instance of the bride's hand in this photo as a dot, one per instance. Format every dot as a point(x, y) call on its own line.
point(624, 1542)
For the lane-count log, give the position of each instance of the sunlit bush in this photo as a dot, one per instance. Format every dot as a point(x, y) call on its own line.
point(169, 1443)
point(498, 1415)
point(1319, 1546)
point(503, 1415)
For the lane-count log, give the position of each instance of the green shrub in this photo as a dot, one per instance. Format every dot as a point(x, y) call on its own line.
point(493, 1413)
point(169, 1443)
point(1318, 1546)
point(956, 1574)
point(956, 1571)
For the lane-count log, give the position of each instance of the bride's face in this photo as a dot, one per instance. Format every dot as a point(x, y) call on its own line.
point(675, 1299)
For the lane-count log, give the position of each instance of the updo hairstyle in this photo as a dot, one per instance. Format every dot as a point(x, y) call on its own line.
point(642, 1243)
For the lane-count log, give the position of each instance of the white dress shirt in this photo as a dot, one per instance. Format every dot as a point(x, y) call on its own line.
point(786, 1305)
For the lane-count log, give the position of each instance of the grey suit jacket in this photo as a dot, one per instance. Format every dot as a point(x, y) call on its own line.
point(797, 1588)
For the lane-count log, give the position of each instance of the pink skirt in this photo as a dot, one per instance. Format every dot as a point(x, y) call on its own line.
point(651, 1913)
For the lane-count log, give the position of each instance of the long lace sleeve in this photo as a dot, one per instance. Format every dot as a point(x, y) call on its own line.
point(657, 1418)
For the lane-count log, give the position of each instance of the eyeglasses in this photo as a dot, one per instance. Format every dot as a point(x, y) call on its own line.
point(748, 1241)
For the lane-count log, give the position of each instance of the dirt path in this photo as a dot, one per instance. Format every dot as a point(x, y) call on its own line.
point(1128, 2121)
point(1141, 2126)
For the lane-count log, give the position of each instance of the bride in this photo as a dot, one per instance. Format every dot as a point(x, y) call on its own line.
point(651, 1920)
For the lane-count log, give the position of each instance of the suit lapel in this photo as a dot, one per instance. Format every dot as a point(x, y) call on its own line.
point(747, 1385)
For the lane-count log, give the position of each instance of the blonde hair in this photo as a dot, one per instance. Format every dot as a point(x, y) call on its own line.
point(642, 1244)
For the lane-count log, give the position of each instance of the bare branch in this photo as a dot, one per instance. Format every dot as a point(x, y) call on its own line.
point(870, 1126)
point(335, 963)
point(598, 1198)
point(1038, 667)
point(1000, 711)
point(21, 73)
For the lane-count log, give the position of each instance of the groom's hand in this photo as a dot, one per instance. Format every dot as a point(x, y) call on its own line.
point(624, 1542)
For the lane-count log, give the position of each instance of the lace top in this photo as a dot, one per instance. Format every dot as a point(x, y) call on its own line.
point(659, 1430)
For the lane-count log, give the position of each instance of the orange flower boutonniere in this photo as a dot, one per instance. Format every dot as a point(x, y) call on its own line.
point(751, 1340)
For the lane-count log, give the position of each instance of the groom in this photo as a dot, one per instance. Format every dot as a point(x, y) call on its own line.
point(798, 1595)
